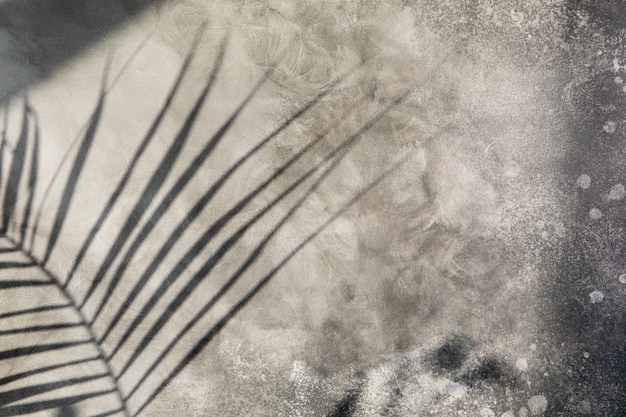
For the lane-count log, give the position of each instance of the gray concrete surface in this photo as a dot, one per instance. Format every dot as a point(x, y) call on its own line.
point(346, 208)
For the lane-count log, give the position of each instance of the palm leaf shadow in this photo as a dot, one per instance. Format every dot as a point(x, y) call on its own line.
point(15, 173)
point(81, 332)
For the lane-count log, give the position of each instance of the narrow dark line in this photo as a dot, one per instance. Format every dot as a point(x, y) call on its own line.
point(336, 157)
point(11, 378)
point(32, 178)
point(31, 350)
point(197, 278)
point(208, 235)
point(3, 142)
point(206, 339)
point(23, 283)
point(157, 180)
point(92, 337)
point(29, 408)
point(75, 141)
point(194, 251)
point(34, 310)
point(15, 173)
point(19, 394)
point(8, 250)
point(77, 168)
point(108, 413)
point(48, 189)
point(16, 265)
point(203, 273)
point(138, 153)
point(219, 224)
point(337, 154)
point(41, 328)
point(132, 57)
point(172, 195)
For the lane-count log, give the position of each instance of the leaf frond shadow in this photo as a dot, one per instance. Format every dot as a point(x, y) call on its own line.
point(154, 203)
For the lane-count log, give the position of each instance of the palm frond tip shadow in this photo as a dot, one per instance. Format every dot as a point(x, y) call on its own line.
point(22, 186)
point(29, 311)
point(15, 173)
point(197, 209)
point(29, 408)
point(176, 189)
point(74, 143)
point(19, 394)
point(40, 371)
point(156, 123)
point(32, 178)
point(265, 280)
point(77, 168)
point(156, 181)
point(334, 158)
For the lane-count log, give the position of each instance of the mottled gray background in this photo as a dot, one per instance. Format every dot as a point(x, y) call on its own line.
point(470, 259)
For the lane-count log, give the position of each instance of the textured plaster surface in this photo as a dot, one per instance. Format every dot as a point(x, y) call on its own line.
point(464, 257)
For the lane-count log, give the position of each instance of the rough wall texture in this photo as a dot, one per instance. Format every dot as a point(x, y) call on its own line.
point(316, 208)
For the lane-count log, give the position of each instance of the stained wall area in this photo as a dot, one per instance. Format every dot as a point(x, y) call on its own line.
point(313, 209)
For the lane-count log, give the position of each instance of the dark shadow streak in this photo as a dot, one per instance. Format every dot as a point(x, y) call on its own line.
point(206, 339)
point(23, 283)
point(336, 156)
point(16, 265)
point(32, 178)
point(3, 141)
point(194, 281)
point(34, 310)
point(157, 180)
point(15, 173)
point(54, 280)
point(191, 216)
point(43, 370)
point(54, 32)
point(6, 250)
point(206, 269)
point(20, 394)
point(28, 408)
point(41, 328)
point(109, 413)
point(75, 141)
point(173, 194)
point(214, 229)
point(138, 153)
point(31, 350)
point(79, 163)
point(206, 238)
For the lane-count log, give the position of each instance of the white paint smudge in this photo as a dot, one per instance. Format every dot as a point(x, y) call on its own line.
point(617, 192)
point(453, 390)
point(487, 412)
point(622, 279)
point(595, 213)
point(522, 364)
point(596, 297)
point(610, 127)
point(583, 181)
point(537, 405)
